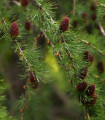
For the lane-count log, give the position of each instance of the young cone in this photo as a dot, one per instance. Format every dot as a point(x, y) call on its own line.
point(82, 86)
point(28, 25)
point(87, 56)
point(100, 67)
point(85, 17)
point(92, 58)
point(83, 73)
point(75, 23)
point(93, 7)
point(65, 24)
point(91, 89)
point(24, 3)
point(14, 30)
point(92, 101)
point(93, 17)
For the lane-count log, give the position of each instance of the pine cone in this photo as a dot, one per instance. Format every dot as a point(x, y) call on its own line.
point(92, 101)
point(93, 7)
point(75, 23)
point(100, 67)
point(28, 25)
point(93, 17)
point(91, 89)
point(85, 16)
point(24, 3)
point(82, 86)
point(65, 24)
point(14, 30)
point(87, 56)
point(83, 73)
point(92, 58)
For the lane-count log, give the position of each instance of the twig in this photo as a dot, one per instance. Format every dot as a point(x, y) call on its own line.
point(87, 113)
point(40, 6)
point(17, 3)
point(101, 28)
point(100, 4)
point(22, 53)
point(99, 23)
point(22, 110)
point(73, 7)
point(88, 43)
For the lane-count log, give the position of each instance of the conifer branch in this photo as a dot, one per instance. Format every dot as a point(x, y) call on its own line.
point(88, 43)
point(40, 7)
point(66, 67)
point(69, 55)
point(48, 25)
point(28, 65)
point(100, 26)
point(60, 58)
point(25, 87)
point(25, 58)
point(71, 59)
point(27, 82)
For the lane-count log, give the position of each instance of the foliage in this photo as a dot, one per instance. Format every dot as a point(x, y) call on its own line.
point(52, 57)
